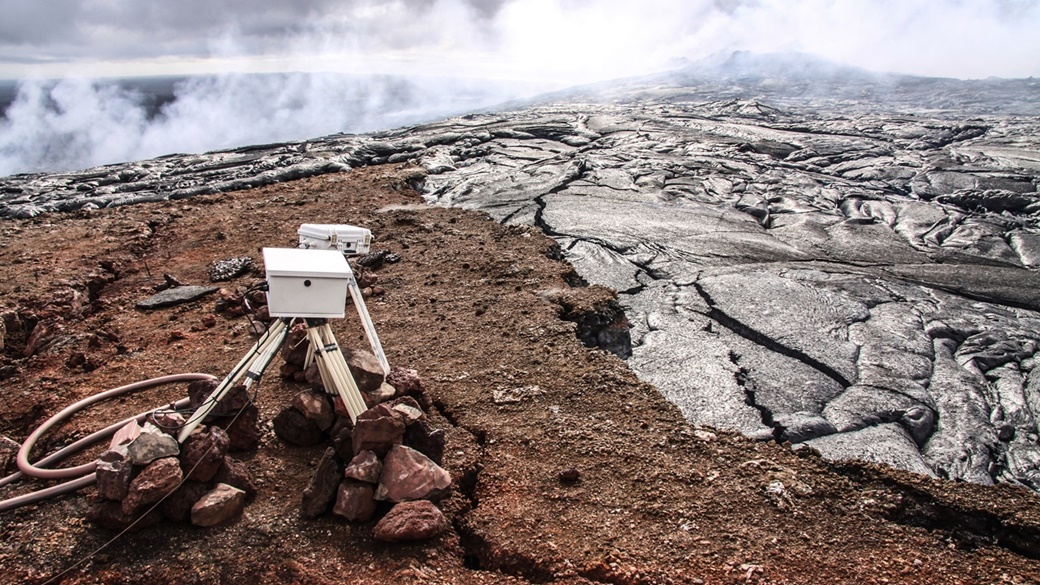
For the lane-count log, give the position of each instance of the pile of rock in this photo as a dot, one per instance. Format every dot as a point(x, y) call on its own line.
point(147, 476)
point(388, 461)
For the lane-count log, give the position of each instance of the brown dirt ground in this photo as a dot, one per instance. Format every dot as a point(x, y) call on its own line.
point(475, 307)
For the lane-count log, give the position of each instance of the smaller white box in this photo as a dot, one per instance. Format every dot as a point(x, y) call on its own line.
point(348, 239)
point(306, 283)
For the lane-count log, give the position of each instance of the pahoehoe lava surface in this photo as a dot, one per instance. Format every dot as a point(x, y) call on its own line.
point(840, 270)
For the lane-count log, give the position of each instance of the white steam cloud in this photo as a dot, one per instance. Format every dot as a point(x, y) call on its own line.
point(78, 123)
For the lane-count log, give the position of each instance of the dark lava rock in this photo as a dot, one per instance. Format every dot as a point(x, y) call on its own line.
point(203, 453)
point(426, 440)
point(321, 492)
point(234, 473)
point(377, 429)
point(177, 506)
point(365, 466)
point(365, 368)
point(218, 505)
point(175, 296)
point(294, 428)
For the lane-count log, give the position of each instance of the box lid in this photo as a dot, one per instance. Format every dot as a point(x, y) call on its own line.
point(302, 262)
point(324, 231)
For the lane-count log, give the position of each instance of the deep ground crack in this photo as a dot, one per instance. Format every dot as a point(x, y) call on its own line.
point(759, 338)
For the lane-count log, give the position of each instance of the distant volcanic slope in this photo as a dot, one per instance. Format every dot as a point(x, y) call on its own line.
point(843, 273)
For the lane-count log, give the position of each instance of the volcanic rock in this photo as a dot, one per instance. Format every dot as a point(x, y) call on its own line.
point(355, 501)
point(167, 421)
point(405, 381)
point(113, 476)
point(408, 521)
point(381, 394)
point(365, 466)
point(159, 478)
point(322, 490)
point(410, 475)
point(125, 435)
point(175, 296)
point(377, 429)
point(243, 430)
point(426, 440)
point(152, 444)
point(177, 507)
point(342, 432)
point(293, 427)
point(365, 368)
point(109, 514)
point(230, 268)
point(219, 505)
point(203, 453)
point(234, 473)
point(316, 407)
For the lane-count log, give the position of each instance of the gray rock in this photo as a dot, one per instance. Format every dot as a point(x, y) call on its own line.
point(175, 296)
point(152, 444)
point(222, 270)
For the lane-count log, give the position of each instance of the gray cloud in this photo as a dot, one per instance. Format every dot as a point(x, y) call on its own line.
point(948, 37)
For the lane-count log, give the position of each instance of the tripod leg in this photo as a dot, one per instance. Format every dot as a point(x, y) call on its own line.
point(261, 353)
point(334, 372)
point(366, 322)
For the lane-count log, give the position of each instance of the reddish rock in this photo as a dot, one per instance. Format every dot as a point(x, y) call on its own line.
point(406, 521)
point(113, 477)
point(288, 371)
point(408, 409)
point(426, 440)
point(177, 506)
point(341, 432)
point(234, 400)
point(410, 475)
point(109, 514)
point(365, 368)
point(316, 407)
point(319, 494)
point(234, 473)
point(161, 477)
point(366, 278)
point(294, 428)
point(406, 381)
point(381, 394)
point(294, 351)
point(312, 375)
point(203, 453)
point(355, 501)
point(219, 505)
point(378, 433)
point(365, 466)
point(125, 435)
point(244, 430)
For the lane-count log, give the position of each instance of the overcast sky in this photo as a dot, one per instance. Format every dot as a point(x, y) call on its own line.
point(562, 40)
